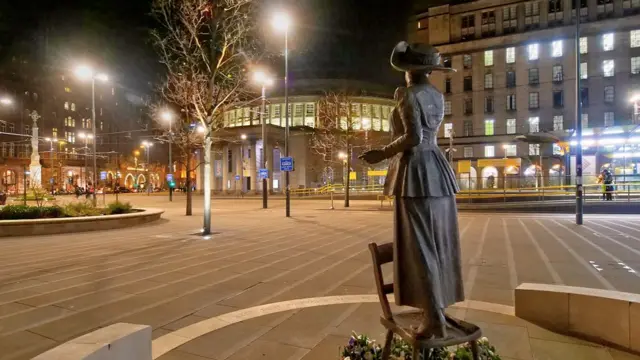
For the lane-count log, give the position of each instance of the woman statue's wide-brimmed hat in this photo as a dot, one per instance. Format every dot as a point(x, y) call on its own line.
point(415, 57)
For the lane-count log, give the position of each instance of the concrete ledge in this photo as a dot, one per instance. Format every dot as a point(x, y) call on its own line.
point(77, 224)
point(607, 317)
point(115, 342)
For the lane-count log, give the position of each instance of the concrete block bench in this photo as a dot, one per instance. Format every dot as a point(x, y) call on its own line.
point(607, 317)
point(115, 342)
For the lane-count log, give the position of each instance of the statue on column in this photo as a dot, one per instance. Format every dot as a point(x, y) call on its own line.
point(427, 269)
point(35, 168)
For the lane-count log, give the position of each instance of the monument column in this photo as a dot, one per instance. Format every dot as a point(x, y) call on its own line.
point(35, 168)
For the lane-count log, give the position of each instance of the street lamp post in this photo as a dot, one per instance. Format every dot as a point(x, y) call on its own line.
point(579, 191)
point(243, 137)
point(281, 21)
point(86, 138)
point(51, 141)
point(168, 116)
point(85, 72)
point(264, 81)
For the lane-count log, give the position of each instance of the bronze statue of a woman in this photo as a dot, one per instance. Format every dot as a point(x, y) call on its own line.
point(427, 271)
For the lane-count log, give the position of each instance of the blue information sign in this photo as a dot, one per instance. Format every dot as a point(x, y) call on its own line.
point(103, 175)
point(237, 177)
point(286, 164)
point(169, 177)
point(263, 173)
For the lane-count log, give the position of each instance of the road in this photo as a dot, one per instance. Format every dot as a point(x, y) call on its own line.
point(164, 274)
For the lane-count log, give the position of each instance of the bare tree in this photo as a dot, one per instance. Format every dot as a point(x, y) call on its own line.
point(340, 132)
point(204, 45)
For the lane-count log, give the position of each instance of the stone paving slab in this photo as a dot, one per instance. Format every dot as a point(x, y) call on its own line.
point(57, 287)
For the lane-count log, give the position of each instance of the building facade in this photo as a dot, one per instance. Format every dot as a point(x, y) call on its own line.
point(61, 105)
point(238, 158)
point(516, 75)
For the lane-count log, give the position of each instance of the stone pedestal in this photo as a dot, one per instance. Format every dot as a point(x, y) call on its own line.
point(35, 168)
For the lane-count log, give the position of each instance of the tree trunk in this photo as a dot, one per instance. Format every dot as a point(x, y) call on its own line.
point(189, 211)
point(208, 142)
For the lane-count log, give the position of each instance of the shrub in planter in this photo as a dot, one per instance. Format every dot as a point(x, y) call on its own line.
point(83, 208)
point(115, 208)
point(361, 347)
point(22, 212)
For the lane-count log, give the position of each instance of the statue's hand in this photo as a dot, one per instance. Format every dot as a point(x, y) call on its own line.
point(373, 156)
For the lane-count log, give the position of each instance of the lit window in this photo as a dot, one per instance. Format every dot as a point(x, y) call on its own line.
point(54, 133)
point(488, 58)
point(556, 48)
point(584, 73)
point(511, 55)
point(558, 123)
point(608, 118)
point(67, 89)
point(534, 149)
point(534, 100)
point(557, 72)
point(609, 94)
point(467, 61)
point(113, 91)
point(511, 102)
point(73, 107)
point(585, 121)
point(488, 81)
point(607, 42)
point(511, 126)
point(634, 38)
point(635, 65)
point(489, 127)
point(468, 151)
point(608, 68)
point(510, 150)
point(584, 45)
point(533, 51)
point(534, 124)
point(447, 107)
point(489, 151)
point(448, 130)
point(66, 105)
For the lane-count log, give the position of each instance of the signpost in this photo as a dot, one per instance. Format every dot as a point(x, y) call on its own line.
point(263, 174)
point(286, 164)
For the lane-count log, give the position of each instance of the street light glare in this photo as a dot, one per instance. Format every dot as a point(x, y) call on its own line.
point(243, 136)
point(201, 129)
point(84, 72)
point(635, 98)
point(102, 77)
point(281, 21)
point(6, 101)
point(166, 115)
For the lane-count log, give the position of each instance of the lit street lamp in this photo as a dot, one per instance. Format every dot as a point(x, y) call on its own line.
point(635, 100)
point(6, 101)
point(263, 80)
point(148, 145)
point(84, 72)
point(168, 116)
point(281, 22)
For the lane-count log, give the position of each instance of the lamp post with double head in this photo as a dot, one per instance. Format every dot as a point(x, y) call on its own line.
point(168, 116)
point(87, 73)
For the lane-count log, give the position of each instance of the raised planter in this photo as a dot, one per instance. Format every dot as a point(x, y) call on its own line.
point(77, 224)
point(607, 317)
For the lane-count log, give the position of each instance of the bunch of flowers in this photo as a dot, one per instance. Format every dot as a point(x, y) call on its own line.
point(361, 347)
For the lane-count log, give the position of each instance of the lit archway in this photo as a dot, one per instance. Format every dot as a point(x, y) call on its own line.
point(129, 181)
point(142, 180)
point(489, 177)
point(469, 181)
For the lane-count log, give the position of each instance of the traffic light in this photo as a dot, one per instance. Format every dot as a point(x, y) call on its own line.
point(172, 184)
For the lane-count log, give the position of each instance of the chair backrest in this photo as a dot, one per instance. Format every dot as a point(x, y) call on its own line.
point(381, 255)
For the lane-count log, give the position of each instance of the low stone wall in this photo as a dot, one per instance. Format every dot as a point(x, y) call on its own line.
point(77, 224)
point(116, 342)
point(602, 316)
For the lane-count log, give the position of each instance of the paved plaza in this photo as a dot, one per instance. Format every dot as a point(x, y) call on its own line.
point(314, 267)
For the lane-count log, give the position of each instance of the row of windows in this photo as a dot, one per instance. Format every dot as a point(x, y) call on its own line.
point(557, 75)
point(7, 127)
point(71, 122)
point(555, 16)
point(532, 126)
point(534, 101)
point(556, 50)
point(509, 150)
point(364, 116)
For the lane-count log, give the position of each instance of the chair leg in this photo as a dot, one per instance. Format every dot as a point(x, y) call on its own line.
point(386, 350)
point(475, 350)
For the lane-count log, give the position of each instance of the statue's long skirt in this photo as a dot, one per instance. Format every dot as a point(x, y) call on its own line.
point(427, 271)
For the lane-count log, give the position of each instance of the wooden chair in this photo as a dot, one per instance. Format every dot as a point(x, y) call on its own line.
point(458, 331)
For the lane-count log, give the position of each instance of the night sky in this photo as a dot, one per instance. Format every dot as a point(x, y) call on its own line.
point(331, 38)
